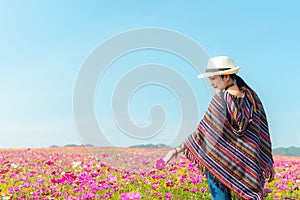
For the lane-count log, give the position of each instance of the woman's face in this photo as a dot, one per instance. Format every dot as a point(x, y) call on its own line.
point(217, 82)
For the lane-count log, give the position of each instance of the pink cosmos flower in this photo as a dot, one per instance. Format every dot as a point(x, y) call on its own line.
point(26, 185)
point(169, 195)
point(112, 179)
point(158, 194)
point(283, 187)
point(193, 190)
point(105, 155)
point(160, 164)
point(203, 190)
point(146, 162)
point(14, 189)
point(51, 163)
point(3, 171)
point(130, 196)
point(196, 179)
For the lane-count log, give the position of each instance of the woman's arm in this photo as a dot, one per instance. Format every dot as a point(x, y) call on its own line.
point(173, 153)
point(180, 148)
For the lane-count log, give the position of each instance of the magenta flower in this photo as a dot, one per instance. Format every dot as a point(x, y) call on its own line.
point(193, 190)
point(26, 185)
point(51, 163)
point(14, 189)
point(123, 196)
point(169, 195)
point(3, 171)
point(112, 179)
point(196, 179)
point(146, 162)
point(130, 196)
point(160, 164)
point(203, 190)
point(105, 155)
point(158, 194)
point(283, 187)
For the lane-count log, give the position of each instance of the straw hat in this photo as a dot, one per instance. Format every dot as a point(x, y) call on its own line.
point(220, 65)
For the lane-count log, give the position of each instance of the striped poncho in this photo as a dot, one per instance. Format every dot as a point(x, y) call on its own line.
point(240, 160)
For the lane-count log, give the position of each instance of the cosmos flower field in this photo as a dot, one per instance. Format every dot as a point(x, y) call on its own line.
point(118, 173)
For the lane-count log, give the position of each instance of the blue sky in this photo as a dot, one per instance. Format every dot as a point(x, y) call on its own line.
point(45, 43)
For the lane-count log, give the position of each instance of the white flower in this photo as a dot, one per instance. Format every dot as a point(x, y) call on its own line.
point(76, 164)
point(14, 165)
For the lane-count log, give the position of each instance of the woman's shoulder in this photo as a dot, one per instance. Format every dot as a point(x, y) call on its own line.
point(227, 95)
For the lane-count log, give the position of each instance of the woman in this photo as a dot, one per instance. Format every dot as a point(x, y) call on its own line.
point(232, 141)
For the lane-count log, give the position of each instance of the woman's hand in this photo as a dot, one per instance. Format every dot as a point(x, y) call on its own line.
point(170, 155)
point(173, 153)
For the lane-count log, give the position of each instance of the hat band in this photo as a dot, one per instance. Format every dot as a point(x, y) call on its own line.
point(216, 70)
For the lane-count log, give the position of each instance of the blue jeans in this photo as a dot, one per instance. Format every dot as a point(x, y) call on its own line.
point(217, 189)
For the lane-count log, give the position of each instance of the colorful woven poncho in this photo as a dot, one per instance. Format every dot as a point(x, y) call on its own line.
point(240, 160)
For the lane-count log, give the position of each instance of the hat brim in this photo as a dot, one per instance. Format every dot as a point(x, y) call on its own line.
point(225, 72)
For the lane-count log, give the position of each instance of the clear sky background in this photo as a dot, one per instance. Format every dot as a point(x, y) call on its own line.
point(44, 43)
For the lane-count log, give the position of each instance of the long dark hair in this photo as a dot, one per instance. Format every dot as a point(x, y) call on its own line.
point(243, 86)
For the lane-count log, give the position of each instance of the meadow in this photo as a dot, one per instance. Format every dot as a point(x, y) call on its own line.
point(118, 173)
